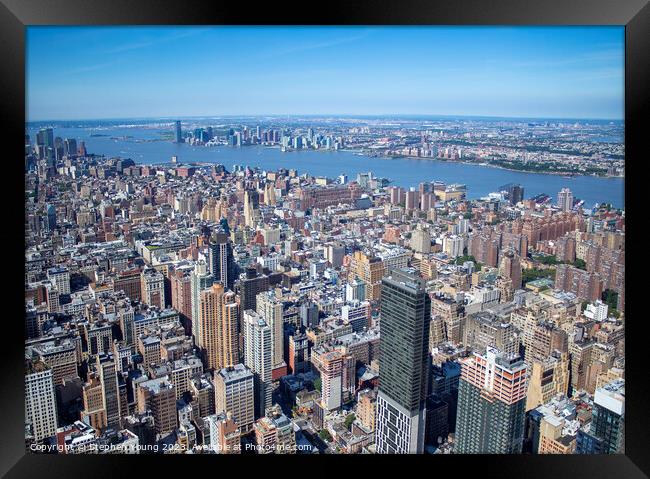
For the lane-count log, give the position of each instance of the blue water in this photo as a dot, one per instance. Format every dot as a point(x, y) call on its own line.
point(146, 147)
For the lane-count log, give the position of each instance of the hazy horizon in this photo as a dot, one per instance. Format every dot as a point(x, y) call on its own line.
point(422, 116)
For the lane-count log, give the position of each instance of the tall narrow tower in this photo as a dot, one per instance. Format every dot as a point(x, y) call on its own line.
point(258, 357)
point(405, 318)
point(222, 260)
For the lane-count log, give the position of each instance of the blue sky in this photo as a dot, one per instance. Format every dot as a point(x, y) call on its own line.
point(135, 72)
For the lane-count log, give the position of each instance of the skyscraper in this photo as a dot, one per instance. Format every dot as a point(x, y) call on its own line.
point(200, 280)
point(258, 356)
point(249, 288)
point(491, 404)
point(272, 311)
point(222, 264)
point(332, 380)
point(178, 132)
point(105, 365)
point(251, 207)
point(565, 199)
point(217, 327)
point(70, 147)
point(405, 317)
point(606, 434)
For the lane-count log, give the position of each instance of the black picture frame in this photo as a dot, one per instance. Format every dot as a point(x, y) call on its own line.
point(15, 15)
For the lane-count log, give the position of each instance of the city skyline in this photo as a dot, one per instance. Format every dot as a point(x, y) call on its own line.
point(522, 72)
point(325, 283)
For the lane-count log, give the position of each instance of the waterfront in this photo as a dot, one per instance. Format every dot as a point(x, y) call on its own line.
point(144, 146)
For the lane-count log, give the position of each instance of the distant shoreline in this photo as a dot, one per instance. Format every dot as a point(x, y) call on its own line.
point(490, 165)
point(361, 152)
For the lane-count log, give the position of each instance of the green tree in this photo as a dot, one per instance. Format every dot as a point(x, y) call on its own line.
point(318, 384)
point(580, 263)
point(349, 419)
point(325, 435)
point(610, 297)
point(461, 259)
point(533, 274)
point(547, 259)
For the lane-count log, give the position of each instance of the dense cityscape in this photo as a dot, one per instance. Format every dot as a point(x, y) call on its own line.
point(555, 147)
point(199, 308)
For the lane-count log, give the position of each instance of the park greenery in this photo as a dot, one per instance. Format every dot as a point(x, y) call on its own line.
point(533, 274)
point(551, 260)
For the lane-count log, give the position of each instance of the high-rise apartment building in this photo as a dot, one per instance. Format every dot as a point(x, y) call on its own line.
point(235, 393)
point(181, 294)
point(510, 269)
point(272, 310)
point(217, 327)
point(514, 192)
point(491, 404)
point(251, 208)
point(331, 367)
point(585, 285)
point(200, 280)
point(249, 287)
point(40, 400)
point(405, 318)
point(258, 356)
point(298, 353)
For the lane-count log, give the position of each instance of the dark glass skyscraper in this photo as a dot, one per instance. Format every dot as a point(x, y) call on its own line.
point(606, 434)
point(405, 316)
point(178, 132)
point(222, 265)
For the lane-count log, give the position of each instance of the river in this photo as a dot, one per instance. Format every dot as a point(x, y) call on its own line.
point(145, 147)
